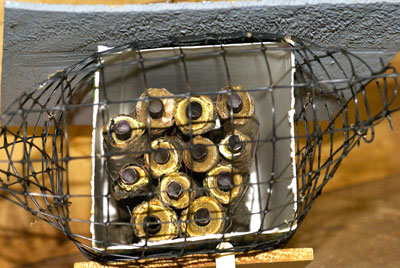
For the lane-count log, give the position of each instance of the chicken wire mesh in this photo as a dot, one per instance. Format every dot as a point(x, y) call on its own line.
point(306, 108)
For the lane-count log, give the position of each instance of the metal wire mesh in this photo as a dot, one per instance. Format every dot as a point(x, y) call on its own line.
point(333, 90)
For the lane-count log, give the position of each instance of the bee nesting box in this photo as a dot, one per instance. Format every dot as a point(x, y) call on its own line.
point(267, 207)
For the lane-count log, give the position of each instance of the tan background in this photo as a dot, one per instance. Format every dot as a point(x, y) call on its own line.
point(24, 240)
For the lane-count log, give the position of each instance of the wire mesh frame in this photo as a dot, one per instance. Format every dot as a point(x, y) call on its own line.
point(41, 185)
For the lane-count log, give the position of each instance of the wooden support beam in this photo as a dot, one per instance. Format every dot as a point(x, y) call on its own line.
point(291, 257)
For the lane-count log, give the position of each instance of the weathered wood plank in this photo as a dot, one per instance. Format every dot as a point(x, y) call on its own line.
point(290, 255)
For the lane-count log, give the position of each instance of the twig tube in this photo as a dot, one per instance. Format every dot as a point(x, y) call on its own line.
point(239, 102)
point(177, 190)
point(165, 157)
point(123, 142)
point(154, 220)
point(202, 156)
point(160, 110)
point(237, 149)
point(251, 129)
point(225, 183)
point(133, 180)
point(204, 216)
point(199, 110)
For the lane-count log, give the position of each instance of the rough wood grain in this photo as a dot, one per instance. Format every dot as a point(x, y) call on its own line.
point(304, 255)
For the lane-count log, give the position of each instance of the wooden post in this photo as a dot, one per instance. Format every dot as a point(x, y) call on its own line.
point(290, 257)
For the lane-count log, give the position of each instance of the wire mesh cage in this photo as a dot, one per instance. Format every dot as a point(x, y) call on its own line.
point(195, 141)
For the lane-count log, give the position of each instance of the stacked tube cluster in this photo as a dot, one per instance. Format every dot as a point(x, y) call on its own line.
point(183, 162)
